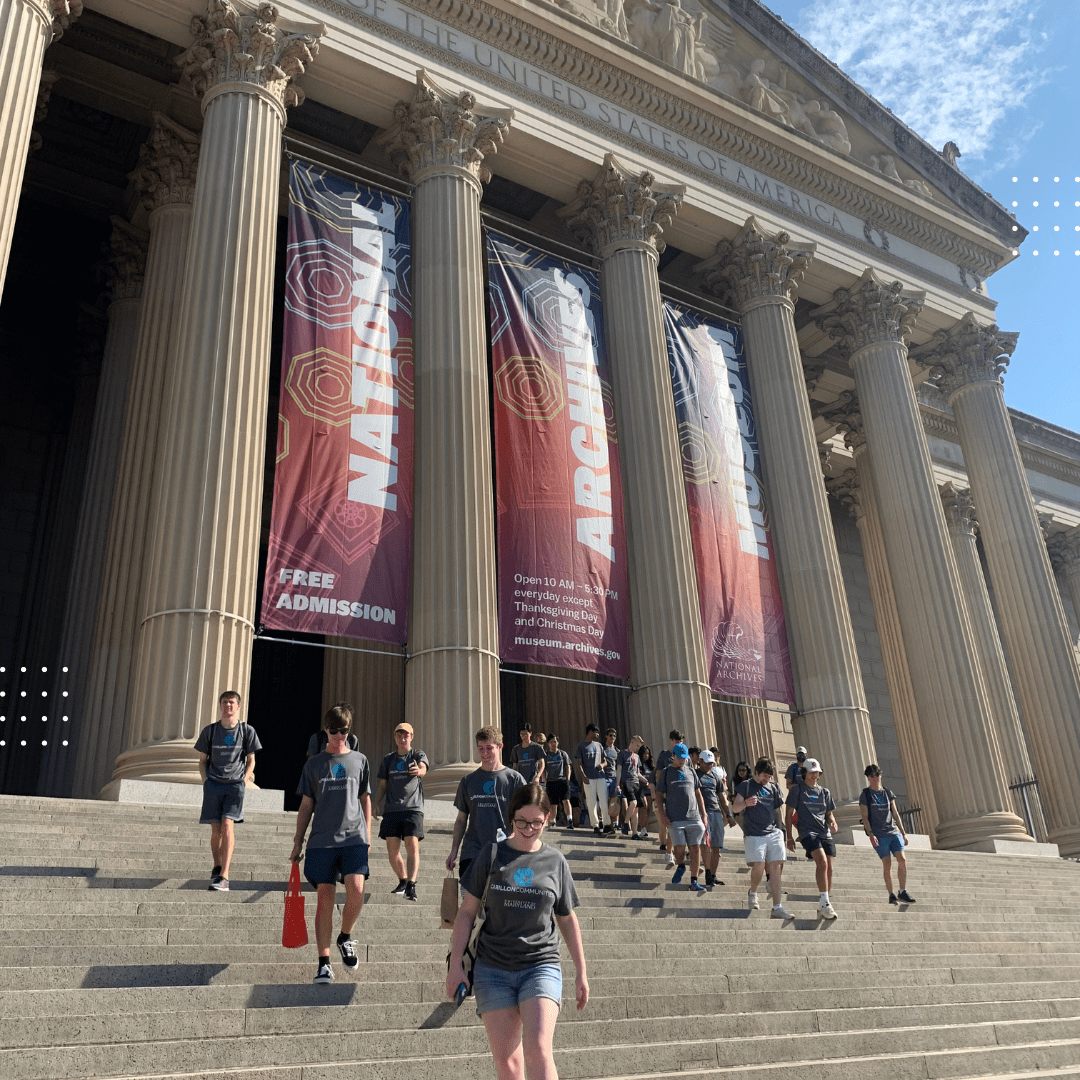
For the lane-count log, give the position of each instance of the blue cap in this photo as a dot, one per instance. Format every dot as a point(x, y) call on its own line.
point(679, 750)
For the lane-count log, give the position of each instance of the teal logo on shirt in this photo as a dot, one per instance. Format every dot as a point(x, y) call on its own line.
point(523, 877)
point(230, 738)
point(489, 787)
point(401, 765)
point(337, 770)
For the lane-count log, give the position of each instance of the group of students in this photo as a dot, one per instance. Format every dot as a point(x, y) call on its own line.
point(525, 886)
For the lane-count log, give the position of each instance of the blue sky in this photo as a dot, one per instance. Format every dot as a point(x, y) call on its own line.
point(998, 78)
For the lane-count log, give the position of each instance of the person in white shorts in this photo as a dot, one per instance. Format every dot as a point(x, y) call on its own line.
point(761, 804)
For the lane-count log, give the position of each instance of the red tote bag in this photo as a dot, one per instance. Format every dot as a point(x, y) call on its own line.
point(294, 927)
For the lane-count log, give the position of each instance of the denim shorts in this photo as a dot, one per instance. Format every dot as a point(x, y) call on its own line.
point(612, 787)
point(686, 832)
point(765, 849)
point(716, 828)
point(220, 801)
point(496, 988)
point(887, 845)
point(329, 865)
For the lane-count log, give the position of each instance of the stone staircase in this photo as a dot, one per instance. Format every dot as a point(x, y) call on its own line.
point(115, 961)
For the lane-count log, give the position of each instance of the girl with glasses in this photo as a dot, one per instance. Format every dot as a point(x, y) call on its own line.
point(517, 977)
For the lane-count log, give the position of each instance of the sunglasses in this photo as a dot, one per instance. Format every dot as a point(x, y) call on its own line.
point(337, 731)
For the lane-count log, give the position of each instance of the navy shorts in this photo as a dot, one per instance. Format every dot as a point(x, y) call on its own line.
point(557, 791)
point(220, 801)
point(634, 793)
point(329, 865)
point(401, 823)
point(812, 842)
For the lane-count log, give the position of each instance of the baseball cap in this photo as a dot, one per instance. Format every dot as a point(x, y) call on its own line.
point(812, 765)
point(404, 727)
point(706, 756)
point(800, 750)
point(679, 750)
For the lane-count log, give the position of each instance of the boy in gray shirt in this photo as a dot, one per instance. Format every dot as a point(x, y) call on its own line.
point(812, 807)
point(681, 808)
point(336, 790)
point(760, 802)
point(400, 801)
point(527, 757)
point(885, 827)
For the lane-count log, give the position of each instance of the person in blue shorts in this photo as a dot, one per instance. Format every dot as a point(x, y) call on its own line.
point(336, 790)
point(885, 827)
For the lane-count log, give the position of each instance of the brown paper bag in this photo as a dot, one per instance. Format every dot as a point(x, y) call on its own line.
point(448, 906)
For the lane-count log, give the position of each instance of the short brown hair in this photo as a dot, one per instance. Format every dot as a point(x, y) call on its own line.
point(228, 694)
point(489, 734)
point(337, 716)
point(529, 795)
point(764, 765)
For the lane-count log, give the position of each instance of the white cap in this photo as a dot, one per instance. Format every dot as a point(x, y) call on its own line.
point(706, 756)
point(812, 765)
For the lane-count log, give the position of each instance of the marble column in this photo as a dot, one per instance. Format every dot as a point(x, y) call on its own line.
point(870, 323)
point(968, 361)
point(855, 490)
point(195, 631)
point(164, 183)
point(27, 28)
point(439, 142)
point(760, 274)
point(621, 216)
point(1064, 550)
point(126, 268)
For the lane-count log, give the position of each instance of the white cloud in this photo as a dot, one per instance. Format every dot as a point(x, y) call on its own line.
point(950, 69)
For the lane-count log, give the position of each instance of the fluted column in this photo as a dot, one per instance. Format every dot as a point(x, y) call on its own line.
point(439, 142)
point(968, 362)
point(1064, 550)
point(622, 218)
point(760, 274)
point(855, 490)
point(373, 682)
point(27, 27)
point(126, 269)
point(196, 624)
point(165, 185)
point(871, 322)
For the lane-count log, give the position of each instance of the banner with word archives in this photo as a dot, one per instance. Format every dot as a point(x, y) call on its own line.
point(563, 596)
point(341, 526)
point(741, 612)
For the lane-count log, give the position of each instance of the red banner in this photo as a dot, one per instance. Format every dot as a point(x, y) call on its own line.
point(563, 595)
point(341, 527)
point(741, 611)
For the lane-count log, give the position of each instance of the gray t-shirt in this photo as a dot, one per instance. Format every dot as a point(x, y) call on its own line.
point(678, 787)
point(664, 759)
point(879, 809)
point(485, 796)
point(558, 766)
point(711, 785)
point(611, 757)
point(591, 756)
point(227, 750)
point(629, 763)
point(794, 772)
point(403, 792)
point(812, 805)
point(525, 760)
point(336, 782)
point(759, 820)
point(528, 889)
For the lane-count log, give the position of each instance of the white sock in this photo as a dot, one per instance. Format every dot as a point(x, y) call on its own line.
point(777, 905)
point(824, 899)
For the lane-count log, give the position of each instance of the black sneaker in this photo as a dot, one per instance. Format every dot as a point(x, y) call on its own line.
point(325, 974)
point(609, 830)
point(347, 948)
point(219, 884)
point(904, 895)
point(570, 824)
point(598, 830)
point(710, 881)
point(410, 890)
point(400, 890)
point(892, 898)
point(215, 873)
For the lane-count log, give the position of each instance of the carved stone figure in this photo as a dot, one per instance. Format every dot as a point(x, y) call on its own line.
point(831, 129)
point(670, 33)
point(608, 15)
point(760, 94)
point(886, 165)
point(950, 152)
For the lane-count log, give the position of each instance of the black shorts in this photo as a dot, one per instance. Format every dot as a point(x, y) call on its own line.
point(812, 843)
point(401, 823)
point(557, 791)
point(634, 793)
point(328, 866)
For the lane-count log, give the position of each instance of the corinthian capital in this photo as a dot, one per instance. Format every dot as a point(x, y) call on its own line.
point(870, 312)
point(168, 162)
point(754, 266)
point(967, 353)
point(846, 490)
point(440, 129)
point(619, 208)
point(845, 415)
point(236, 44)
point(62, 13)
point(1064, 549)
point(125, 260)
point(959, 509)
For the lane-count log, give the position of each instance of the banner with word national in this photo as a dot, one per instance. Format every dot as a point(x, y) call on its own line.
point(341, 526)
point(563, 596)
point(741, 612)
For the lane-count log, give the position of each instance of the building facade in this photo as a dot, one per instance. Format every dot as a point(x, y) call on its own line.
point(926, 537)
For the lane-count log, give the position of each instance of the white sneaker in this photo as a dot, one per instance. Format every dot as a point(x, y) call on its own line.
point(825, 911)
point(781, 912)
point(752, 901)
